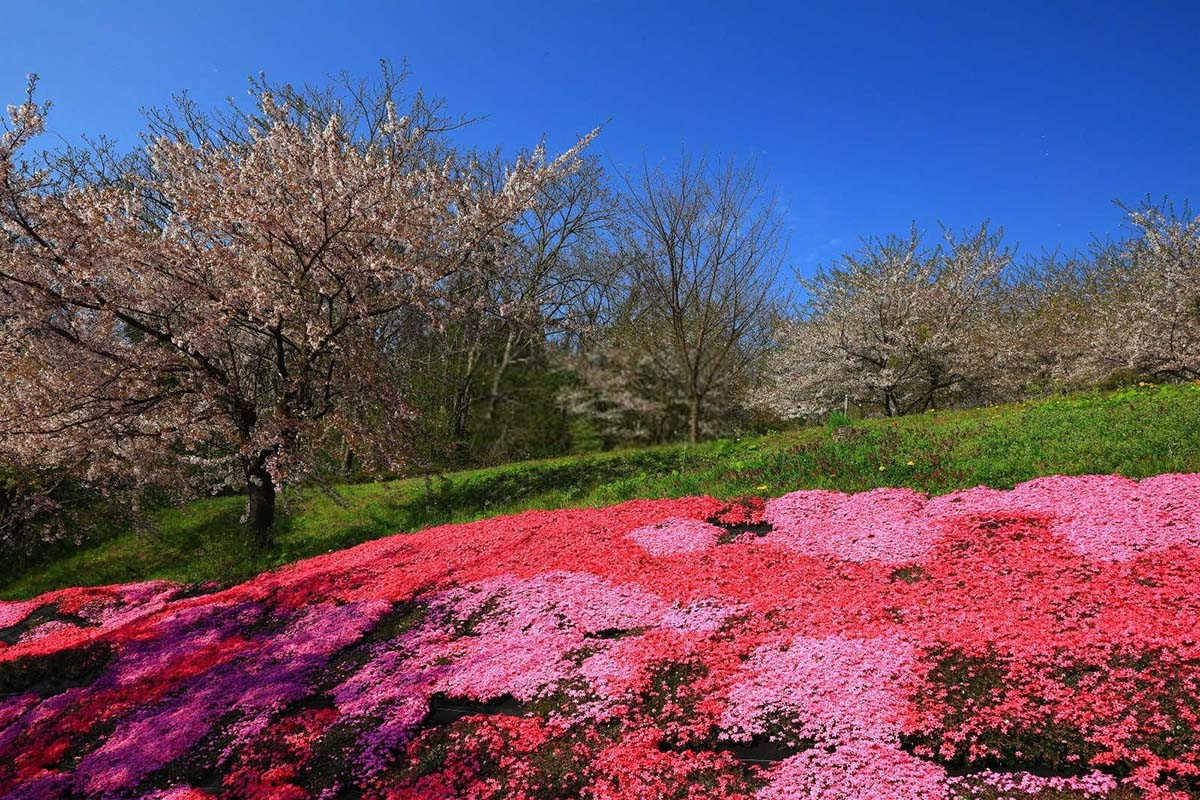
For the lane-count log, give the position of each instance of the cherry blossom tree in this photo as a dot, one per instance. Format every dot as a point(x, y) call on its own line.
point(1146, 317)
point(223, 310)
point(895, 327)
point(1040, 323)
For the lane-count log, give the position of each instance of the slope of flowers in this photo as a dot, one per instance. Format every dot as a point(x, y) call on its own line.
point(1042, 642)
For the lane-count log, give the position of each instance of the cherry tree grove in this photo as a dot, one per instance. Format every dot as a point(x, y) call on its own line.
point(219, 312)
point(894, 326)
point(1150, 323)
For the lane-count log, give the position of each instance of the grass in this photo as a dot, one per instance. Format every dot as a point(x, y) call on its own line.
point(1133, 432)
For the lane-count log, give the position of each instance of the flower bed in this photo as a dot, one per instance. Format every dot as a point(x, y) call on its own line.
point(1042, 642)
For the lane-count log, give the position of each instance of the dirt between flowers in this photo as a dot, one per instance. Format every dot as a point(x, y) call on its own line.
point(1041, 642)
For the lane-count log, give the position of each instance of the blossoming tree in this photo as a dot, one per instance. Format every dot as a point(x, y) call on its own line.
point(1148, 320)
point(895, 326)
point(224, 314)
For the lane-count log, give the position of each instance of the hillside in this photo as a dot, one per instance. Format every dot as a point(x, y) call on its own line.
point(1031, 644)
point(1134, 432)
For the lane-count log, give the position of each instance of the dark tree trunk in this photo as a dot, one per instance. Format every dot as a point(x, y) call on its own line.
point(262, 505)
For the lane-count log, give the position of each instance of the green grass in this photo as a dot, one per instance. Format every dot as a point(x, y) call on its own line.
point(1133, 432)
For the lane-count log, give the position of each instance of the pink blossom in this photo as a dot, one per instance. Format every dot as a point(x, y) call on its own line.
point(675, 536)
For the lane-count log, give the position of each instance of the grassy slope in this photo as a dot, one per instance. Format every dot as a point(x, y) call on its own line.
point(1135, 432)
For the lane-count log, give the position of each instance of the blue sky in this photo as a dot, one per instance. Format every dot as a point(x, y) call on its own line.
point(866, 116)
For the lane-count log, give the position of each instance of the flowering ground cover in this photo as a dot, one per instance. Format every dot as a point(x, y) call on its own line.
point(1042, 642)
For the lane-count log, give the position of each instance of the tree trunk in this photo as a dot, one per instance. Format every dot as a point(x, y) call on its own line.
point(888, 404)
point(498, 377)
point(262, 505)
point(694, 420)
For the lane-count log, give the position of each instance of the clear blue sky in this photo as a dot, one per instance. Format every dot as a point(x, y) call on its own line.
point(868, 116)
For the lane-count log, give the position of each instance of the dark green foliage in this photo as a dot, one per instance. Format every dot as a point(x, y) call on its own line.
point(54, 672)
point(44, 516)
point(908, 574)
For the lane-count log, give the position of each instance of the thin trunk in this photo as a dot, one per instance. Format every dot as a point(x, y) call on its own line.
point(498, 377)
point(499, 445)
point(694, 420)
point(461, 402)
